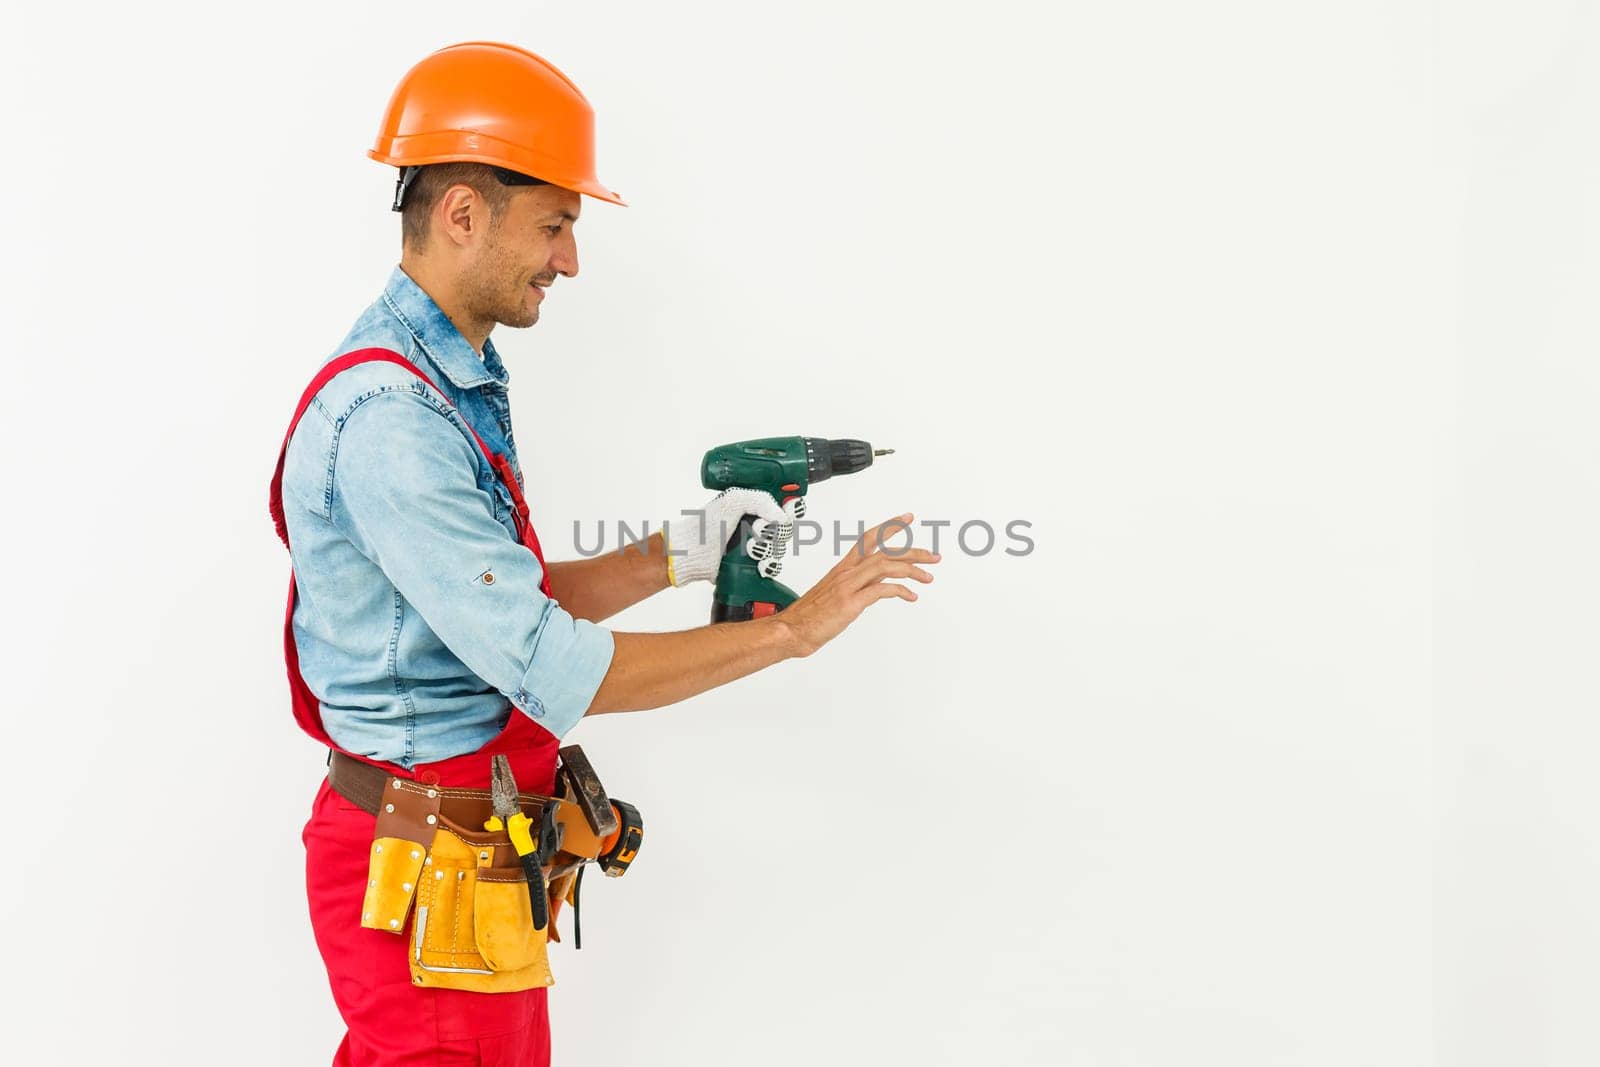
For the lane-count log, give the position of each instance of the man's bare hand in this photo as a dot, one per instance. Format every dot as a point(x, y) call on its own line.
point(653, 670)
point(859, 579)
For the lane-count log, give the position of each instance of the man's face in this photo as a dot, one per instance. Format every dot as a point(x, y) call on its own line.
point(522, 253)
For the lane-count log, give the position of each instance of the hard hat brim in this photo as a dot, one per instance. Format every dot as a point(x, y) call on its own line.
point(417, 156)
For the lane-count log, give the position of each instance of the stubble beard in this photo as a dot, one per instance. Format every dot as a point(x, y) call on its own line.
point(498, 294)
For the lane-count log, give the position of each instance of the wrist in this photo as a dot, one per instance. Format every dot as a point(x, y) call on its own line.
point(786, 639)
point(689, 558)
point(660, 545)
point(674, 557)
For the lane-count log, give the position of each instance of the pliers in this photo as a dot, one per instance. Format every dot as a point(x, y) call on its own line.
point(508, 817)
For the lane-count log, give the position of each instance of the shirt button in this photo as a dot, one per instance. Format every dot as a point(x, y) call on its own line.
point(429, 778)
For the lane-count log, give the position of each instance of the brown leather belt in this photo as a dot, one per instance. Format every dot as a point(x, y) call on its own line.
point(363, 785)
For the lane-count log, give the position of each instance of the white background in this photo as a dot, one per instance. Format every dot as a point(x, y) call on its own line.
point(1269, 317)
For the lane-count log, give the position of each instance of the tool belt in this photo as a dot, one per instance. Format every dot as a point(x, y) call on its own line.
point(464, 886)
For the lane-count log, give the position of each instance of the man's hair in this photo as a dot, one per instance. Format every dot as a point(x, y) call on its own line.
point(432, 181)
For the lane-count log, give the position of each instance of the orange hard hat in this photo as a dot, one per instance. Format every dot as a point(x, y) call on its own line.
point(483, 102)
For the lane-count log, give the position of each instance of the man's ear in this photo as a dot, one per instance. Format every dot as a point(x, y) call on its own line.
point(461, 215)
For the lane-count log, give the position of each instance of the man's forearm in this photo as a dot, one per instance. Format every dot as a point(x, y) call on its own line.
point(598, 588)
point(653, 670)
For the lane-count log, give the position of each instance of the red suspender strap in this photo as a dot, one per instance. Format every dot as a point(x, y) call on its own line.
point(324, 376)
point(307, 709)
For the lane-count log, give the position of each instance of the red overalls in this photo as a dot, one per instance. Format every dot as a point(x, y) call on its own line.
point(389, 1020)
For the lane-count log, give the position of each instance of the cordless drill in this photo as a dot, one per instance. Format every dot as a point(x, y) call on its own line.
point(747, 587)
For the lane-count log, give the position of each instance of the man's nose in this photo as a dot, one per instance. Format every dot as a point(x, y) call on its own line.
point(564, 257)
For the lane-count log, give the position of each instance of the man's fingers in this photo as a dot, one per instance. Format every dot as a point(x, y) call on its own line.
point(874, 566)
point(882, 591)
point(911, 555)
point(898, 567)
point(871, 541)
point(883, 567)
point(886, 529)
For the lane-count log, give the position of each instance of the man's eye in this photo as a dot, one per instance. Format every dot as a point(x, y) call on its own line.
point(553, 230)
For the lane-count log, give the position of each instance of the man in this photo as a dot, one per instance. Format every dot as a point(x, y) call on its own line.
point(425, 630)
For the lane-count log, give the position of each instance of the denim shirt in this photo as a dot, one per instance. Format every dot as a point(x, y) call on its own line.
point(419, 614)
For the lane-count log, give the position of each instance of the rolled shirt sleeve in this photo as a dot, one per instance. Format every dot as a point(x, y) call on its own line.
point(405, 492)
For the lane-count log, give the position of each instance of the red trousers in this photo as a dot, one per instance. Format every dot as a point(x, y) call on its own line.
point(390, 1021)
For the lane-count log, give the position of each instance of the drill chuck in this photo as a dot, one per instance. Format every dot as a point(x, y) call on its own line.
point(825, 458)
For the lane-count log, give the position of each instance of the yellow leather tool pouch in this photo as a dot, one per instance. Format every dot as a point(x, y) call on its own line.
point(473, 926)
point(408, 815)
point(391, 881)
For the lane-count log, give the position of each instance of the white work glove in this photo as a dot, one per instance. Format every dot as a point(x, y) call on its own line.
point(695, 541)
